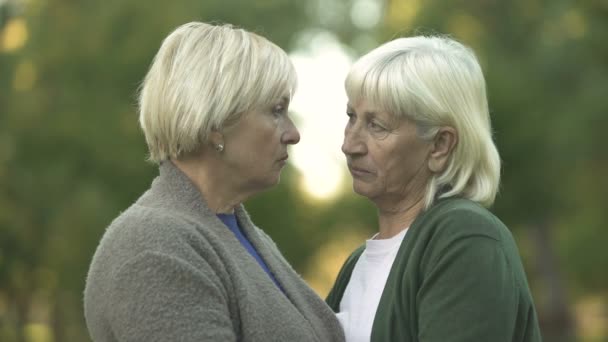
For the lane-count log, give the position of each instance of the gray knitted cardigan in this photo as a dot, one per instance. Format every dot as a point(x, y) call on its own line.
point(167, 269)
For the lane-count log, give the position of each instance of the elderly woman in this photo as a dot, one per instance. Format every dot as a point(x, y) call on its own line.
point(185, 262)
point(418, 144)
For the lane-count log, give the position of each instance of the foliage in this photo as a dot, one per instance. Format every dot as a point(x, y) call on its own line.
point(72, 156)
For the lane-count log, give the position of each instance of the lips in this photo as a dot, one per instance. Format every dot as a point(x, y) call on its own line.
point(358, 171)
point(284, 158)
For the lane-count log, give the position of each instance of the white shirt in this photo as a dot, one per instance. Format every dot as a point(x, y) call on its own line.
point(362, 295)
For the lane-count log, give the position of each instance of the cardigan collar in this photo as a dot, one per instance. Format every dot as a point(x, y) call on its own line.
point(173, 190)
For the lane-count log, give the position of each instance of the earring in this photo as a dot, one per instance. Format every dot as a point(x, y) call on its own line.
point(219, 147)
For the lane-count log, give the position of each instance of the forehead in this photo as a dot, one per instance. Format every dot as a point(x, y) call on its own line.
point(365, 107)
point(399, 123)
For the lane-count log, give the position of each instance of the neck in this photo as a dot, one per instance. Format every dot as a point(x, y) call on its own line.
point(216, 188)
point(394, 219)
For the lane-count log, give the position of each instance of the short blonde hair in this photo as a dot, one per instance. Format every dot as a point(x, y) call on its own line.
point(436, 81)
point(203, 78)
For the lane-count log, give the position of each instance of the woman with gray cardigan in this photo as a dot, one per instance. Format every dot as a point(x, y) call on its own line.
point(185, 262)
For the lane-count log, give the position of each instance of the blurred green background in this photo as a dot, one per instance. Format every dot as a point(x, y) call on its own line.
point(72, 156)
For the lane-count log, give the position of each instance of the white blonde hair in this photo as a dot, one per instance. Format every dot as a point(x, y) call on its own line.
point(203, 78)
point(435, 81)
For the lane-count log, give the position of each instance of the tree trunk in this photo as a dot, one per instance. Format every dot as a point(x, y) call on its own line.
point(556, 320)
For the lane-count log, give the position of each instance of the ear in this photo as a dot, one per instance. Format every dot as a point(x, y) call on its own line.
point(441, 149)
point(215, 139)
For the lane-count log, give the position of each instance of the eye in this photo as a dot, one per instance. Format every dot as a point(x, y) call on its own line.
point(351, 119)
point(351, 116)
point(279, 110)
point(375, 126)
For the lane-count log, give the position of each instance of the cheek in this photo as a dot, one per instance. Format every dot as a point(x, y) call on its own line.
point(266, 144)
point(260, 138)
point(392, 171)
point(268, 133)
point(401, 165)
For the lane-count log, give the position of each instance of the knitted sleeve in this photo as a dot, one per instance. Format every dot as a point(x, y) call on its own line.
point(469, 291)
point(157, 297)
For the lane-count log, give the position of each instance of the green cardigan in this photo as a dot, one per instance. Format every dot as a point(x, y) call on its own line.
point(457, 277)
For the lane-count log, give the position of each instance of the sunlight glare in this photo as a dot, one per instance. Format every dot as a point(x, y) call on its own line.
point(365, 14)
point(14, 36)
point(319, 105)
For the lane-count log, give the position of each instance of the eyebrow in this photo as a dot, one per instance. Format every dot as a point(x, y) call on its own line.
point(369, 113)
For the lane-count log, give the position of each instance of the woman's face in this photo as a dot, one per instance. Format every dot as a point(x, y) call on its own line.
point(387, 160)
point(256, 147)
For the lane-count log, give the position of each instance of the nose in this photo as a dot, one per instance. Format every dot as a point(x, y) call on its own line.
point(353, 143)
point(291, 136)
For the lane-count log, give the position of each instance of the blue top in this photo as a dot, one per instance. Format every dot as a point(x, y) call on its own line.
point(230, 221)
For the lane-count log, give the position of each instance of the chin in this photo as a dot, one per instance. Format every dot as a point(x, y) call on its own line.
point(273, 181)
point(277, 180)
point(362, 190)
point(263, 184)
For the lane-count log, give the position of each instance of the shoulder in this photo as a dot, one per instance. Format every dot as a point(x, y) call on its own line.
point(460, 218)
point(140, 225)
point(140, 229)
point(459, 229)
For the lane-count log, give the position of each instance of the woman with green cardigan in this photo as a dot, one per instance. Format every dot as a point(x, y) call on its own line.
point(418, 144)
